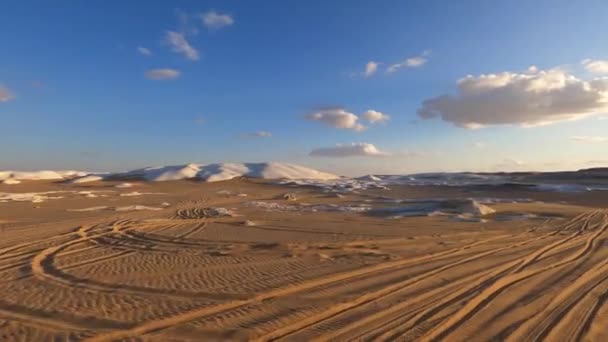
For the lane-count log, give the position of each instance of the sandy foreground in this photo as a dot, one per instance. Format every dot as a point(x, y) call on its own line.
point(161, 262)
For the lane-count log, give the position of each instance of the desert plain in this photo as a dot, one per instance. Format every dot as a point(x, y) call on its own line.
point(260, 260)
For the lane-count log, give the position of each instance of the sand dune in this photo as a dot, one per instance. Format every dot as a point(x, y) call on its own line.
point(221, 172)
point(40, 175)
point(205, 172)
point(214, 266)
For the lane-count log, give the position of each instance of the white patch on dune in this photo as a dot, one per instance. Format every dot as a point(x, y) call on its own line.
point(137, 193)
point(136, 207)
point(225, 171)
point(162, 173)
point(288, 171)
point(40, 175)
point(460, 209)
point(88, 194)
point(456, 179)
point(93, 193)
point(86, 179)
point(37, 197)
point(430, 207)
point(341, 185)
point(290, 174)
point(369, 178)
point(311, 208)
point(230, 193)
point(205, 172)
point(34, 197)
point(102, 207)
point(221, 172)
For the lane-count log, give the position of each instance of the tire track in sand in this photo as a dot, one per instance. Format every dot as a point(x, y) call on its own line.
point(95, 244)
point(372, 297)
point(43, 268)
point(7, 250)
point(567, 315)
point(156, 325)
point(482, 299)
point(382, 318)
point(459, 294)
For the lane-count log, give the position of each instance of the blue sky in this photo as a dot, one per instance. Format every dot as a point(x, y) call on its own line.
point(78, 92)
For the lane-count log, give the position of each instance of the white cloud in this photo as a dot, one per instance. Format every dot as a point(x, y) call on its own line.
point(352, 150)
point(412, 62)
point(596, 66)
point(375, 116)
point(370, 68)
point(178, 43)
point(216, 20)
point(261, 134)
point(479, 144)
point(340, 118)
point(529, 99)
point(589, 139)
point(337, 118)
point(162, 74)
point(144, 51)
point(5, 94)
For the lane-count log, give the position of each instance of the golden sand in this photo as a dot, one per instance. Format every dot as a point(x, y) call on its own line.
point(188, 272)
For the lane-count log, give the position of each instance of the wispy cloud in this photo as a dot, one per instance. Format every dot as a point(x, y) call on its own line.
point(215, 20)
point(185, 24)
point(179, 44)
point(6, 94)
point(352, 150)
point(412, 62)
point(370, 68)
point(596, 66)
point(162, 74)
point(260, 134)
point(529, 99)
point(144, 51)
point(589, 139)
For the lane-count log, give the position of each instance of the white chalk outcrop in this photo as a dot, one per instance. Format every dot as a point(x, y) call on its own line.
point(224, 171)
